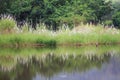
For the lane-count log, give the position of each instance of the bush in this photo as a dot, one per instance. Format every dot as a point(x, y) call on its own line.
point(108, 23)
point(7, 24)
point(116, 19)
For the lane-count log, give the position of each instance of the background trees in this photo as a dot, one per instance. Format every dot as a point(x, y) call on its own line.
point(56, 12)
point(116, 14)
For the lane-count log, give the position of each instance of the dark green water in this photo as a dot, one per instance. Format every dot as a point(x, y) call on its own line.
point(63, 63)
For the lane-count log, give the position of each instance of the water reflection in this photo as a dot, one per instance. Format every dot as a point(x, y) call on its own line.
point(60, 63)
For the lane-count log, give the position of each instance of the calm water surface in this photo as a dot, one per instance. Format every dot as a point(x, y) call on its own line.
point(84, 63)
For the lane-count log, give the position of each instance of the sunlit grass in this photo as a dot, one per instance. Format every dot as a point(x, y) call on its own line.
point(54, 38)
point(79, 35)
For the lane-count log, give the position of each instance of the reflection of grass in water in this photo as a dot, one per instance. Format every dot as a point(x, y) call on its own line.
point(11, 55)
point(82, 50)
point(54, 64)
point(55, 60)
point(7, 62)
point(57, 50)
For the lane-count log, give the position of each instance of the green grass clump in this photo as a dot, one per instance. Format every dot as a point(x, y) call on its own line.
point(26, 39)
point(7, 23)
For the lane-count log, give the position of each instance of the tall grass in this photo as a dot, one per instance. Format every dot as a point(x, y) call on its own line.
point(7, 23)
point(79, 35)
point(67, 38)
point(27, 40)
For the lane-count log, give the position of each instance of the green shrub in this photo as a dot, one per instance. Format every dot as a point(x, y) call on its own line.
point(108, 23)
point(7, 23)
point(116, 19)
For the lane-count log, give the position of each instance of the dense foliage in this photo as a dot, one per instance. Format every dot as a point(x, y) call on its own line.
point(116, 14)
point(56, 12)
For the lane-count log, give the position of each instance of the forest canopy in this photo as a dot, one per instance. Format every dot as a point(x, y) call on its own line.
point(56, 12)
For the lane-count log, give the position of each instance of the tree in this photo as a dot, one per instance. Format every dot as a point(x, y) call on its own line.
point(20, 9)
point(5, 5)
point(116, 19)
point(56, 12)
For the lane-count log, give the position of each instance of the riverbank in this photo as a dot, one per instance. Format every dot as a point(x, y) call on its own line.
point(79, 36)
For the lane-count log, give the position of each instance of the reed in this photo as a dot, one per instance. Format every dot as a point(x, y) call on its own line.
point(84, 34)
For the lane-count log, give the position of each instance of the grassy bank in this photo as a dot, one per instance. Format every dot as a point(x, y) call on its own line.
point(86, 35)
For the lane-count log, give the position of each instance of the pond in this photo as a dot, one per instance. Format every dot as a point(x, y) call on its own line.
point(60, 63)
